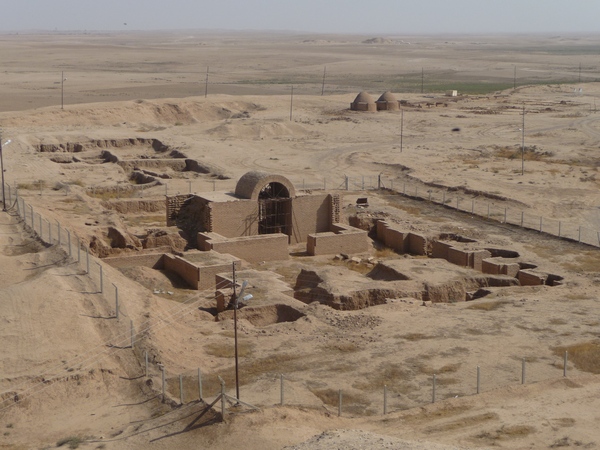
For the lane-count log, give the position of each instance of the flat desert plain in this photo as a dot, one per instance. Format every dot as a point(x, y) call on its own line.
point(279, 103)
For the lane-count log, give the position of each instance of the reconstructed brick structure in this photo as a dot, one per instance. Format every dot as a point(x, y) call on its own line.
point(263, 216)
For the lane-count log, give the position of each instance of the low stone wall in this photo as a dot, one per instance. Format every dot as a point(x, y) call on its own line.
point(152, 260)
point(185, 269)
point(401, 241)
point(341, 239)
point(135, 206)
point(254, 249)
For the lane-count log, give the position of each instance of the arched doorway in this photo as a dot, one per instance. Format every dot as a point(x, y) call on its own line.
point(274, 209)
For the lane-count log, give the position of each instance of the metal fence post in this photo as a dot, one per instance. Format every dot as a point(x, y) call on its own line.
point(132, 332)
point(59, 233)
point(384, 399)
point(522, 218)
point(69, 242)
point(162, 369)
point(199, 384)
point(559, 224)
point(181, 389)
point(116, 300)
point(541, 218)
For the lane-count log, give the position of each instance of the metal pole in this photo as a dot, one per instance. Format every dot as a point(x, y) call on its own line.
point(401, 129)
point(2, 170)
point(291, 103)
point(433, 391)
point(541, 218)
point(59, 233)
point(579, 238)
point(523, 145)
point(116, 299)
point(281, 388)
point(559, 224)
point(523, 371)
point(49, 231)
point(162, 369)
point(323, 85)
point(522, 217)
point(339, 403)
point(62, 90)
point(235, 334)
point(222, 399)
point(132, 330)
point(565, 363)
point(347, 182)
point(101, 280)
point(478, 379)
point(384, 400)
point(199, 384)
point(181, 389)
point(206, 84)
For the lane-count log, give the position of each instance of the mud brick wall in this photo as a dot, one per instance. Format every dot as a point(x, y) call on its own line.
point(135, 206)
point(152, 260)
point(254, 249)
point(392, 237)
point(529, 278)
point(458, 257)
point(235, 219)
point(208, 274)
point(173, 205)
point(477, 257)
point(494, 267)
point(310, 214)
point(439, 249)
point(343, 239)
point(417, 244)
point(185, 269)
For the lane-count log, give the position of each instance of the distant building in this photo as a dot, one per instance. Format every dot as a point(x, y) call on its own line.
point(363, 102)
point(387, 102)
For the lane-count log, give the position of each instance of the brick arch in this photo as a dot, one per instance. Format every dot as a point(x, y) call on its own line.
point(252, 183)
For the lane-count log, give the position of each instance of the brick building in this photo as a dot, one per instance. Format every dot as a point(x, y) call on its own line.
point(262, 217)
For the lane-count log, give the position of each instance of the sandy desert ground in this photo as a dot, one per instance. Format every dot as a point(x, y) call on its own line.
point(66, 373)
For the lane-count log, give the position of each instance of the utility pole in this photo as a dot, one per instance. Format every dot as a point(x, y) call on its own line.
point(206, 84)
point(401, 128)
point(2, 169)
point(62, 90)
point(523, 144)
point(291, 103)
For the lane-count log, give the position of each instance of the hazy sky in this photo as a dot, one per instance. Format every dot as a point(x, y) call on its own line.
point(375, 17)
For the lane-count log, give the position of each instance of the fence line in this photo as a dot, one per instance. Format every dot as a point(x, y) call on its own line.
point(53, 233)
